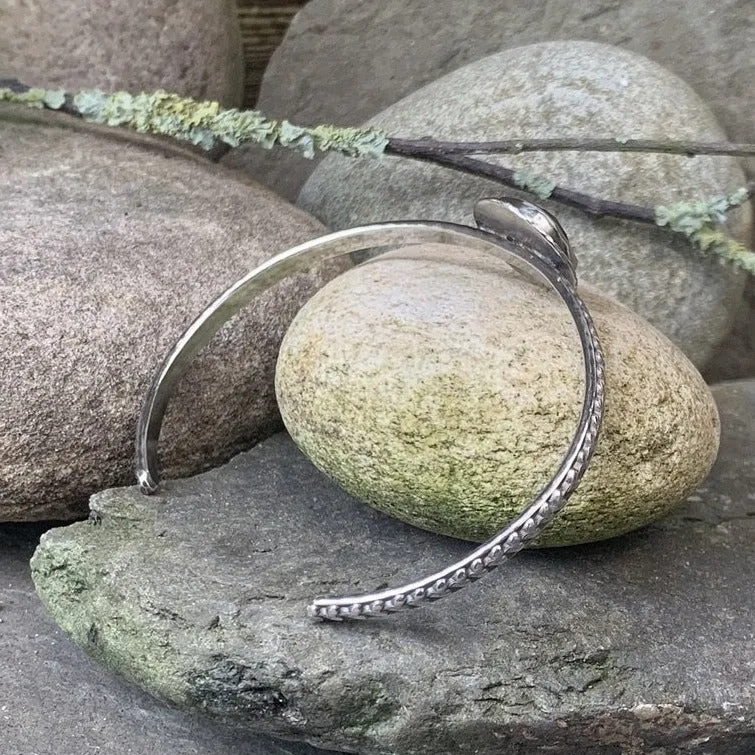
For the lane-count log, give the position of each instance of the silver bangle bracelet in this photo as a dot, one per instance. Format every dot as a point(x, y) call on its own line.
point(517, 231)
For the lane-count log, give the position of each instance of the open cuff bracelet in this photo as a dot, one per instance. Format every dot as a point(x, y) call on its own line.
point(531, 240)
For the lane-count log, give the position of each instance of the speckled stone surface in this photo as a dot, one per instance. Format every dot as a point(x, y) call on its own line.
point(109, 251)
point(191, 47)
point(735, 358)
point(640, 645)
point(54, 700)
point(343, 61)
point(558, 89)
point(443, 388)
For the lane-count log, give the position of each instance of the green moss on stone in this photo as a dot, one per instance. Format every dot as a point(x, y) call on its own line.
point(441, 427)
point(84, 600)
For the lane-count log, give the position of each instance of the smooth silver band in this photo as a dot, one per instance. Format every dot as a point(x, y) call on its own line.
point(385, 236)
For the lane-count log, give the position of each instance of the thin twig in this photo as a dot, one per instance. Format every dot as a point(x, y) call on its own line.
point(578, 144)
point(593, 206)
point(696, 221)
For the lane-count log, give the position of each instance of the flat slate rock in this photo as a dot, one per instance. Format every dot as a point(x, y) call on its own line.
point(644, 644)
point(54, 700)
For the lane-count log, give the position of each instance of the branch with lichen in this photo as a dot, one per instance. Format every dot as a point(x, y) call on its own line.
point(204, 124)
point(698, 220)
point(685, 147)
point(207, 124)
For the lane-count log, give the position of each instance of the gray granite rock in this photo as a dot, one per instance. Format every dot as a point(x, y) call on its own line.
point(443, 388)
point(54, 700)
point(558, 89)
point(641, 645)
point(109, 250)
point(727, 498)
point(735, 357)
point(343, 61)
point(191, 47)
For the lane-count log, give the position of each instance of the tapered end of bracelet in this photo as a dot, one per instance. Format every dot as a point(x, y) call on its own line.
point(147, 484)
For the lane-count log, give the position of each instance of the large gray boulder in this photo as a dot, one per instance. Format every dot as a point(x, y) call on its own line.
point(110, 248)
point(191, 47)
point(557, 89)
point(55, 700)
point(637, 645)
point(343, 61)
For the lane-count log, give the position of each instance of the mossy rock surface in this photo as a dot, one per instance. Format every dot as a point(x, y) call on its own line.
point(443, 388)
point(199, 596)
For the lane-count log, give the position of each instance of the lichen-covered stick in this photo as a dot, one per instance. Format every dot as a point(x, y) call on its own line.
point(523, 234)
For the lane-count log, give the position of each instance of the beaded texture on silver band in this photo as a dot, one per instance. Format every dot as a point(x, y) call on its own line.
point(514, 230)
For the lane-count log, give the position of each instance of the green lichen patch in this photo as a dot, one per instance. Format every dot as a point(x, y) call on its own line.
point(698, 221)
point(541, 187)
point(207, 123)
point(53, 99)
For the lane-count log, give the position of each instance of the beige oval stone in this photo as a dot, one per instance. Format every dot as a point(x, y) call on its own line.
point(110, 248)
point(443, 388)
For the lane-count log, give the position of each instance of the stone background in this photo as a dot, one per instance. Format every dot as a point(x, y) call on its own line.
point(334, 65)
point(678, 638)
